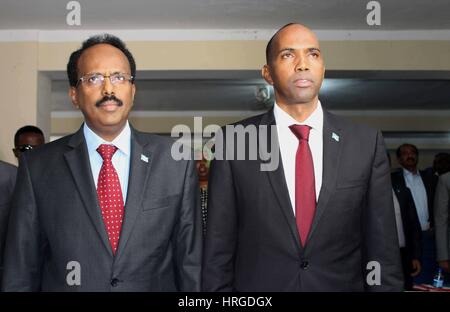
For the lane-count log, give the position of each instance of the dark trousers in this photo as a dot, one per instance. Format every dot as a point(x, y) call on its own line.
point(407, 269)
point(429, 264)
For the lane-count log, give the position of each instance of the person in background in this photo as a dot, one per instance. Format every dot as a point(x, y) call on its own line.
point(26, 139)
point(408, 230)
point(441, 221)
point(202, 171)
point(420, 186)
point(441, 165)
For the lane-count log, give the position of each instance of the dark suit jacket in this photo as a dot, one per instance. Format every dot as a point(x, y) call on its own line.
point(427, 182)
point(441, 217)
point(56, 219)
point(7, 181)
point(410, 220)
point(252, 242)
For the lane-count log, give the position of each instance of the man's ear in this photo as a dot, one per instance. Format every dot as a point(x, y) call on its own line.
point(265, 73)
point(74, 96)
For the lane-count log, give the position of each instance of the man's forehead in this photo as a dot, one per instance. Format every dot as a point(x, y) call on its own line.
point(407, 148)
point(101, 48)
point(102, 53)
point(26, 136)
point(297, 34)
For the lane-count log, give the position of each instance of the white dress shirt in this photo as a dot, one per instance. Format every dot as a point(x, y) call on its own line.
point(120, 159)
point(419, 193)
point(399, 221)
point(289, 144)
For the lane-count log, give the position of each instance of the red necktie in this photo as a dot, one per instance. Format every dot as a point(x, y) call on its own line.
point(305, 189)
point(110, 195)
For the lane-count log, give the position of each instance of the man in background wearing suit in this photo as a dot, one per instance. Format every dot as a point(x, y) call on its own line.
point(421, 187)
point(106, 208)
point(408, 230)
point(321, 221)
point(7, 181)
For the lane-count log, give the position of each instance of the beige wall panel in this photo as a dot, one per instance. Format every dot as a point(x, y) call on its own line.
point(18, 87)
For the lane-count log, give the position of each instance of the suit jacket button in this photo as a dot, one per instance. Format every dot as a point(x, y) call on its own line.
point(304, 264)
point(114, 282)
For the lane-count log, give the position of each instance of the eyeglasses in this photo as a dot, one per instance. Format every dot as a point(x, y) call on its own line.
point(25, 147)
point(96, 80)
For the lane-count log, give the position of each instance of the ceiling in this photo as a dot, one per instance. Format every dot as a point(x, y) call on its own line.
point(224, 14)
point(232, 90)
point(180, 91)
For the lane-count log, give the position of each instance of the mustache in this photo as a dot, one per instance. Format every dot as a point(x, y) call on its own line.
point(107, 99)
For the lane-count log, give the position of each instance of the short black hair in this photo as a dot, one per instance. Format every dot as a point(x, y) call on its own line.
point(269, 52)
point(442, 155)
point(441, 163)
point(72, 66)
point(26, 129)
point(399, 149)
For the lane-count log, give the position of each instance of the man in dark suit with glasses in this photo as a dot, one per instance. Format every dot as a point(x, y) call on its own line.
point(106, 208)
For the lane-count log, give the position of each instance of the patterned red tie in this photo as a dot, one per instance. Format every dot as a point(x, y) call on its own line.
point(305, 189)
point(110, 195)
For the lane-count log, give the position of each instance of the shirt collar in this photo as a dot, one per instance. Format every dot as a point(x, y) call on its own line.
point(409, 173)
point(122, 141)
point(315, 120)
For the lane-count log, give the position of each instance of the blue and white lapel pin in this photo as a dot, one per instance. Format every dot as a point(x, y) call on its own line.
point(144, 158)
point(335, 137)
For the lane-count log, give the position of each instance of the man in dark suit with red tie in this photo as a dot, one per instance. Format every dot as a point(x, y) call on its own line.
point(106, 208)
point(323, 220)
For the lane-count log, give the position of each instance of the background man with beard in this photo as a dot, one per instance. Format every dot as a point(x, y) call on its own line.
point(322, 218)
point(108, 201)
point(421, 187)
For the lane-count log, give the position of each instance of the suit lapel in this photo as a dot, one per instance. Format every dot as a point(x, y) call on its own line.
point(140, 162)
point(278, 181)
point(77, 159)
point(332, 143)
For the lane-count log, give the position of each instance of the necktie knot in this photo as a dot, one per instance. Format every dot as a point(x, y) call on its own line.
point(301, 131)
point(106, 151)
